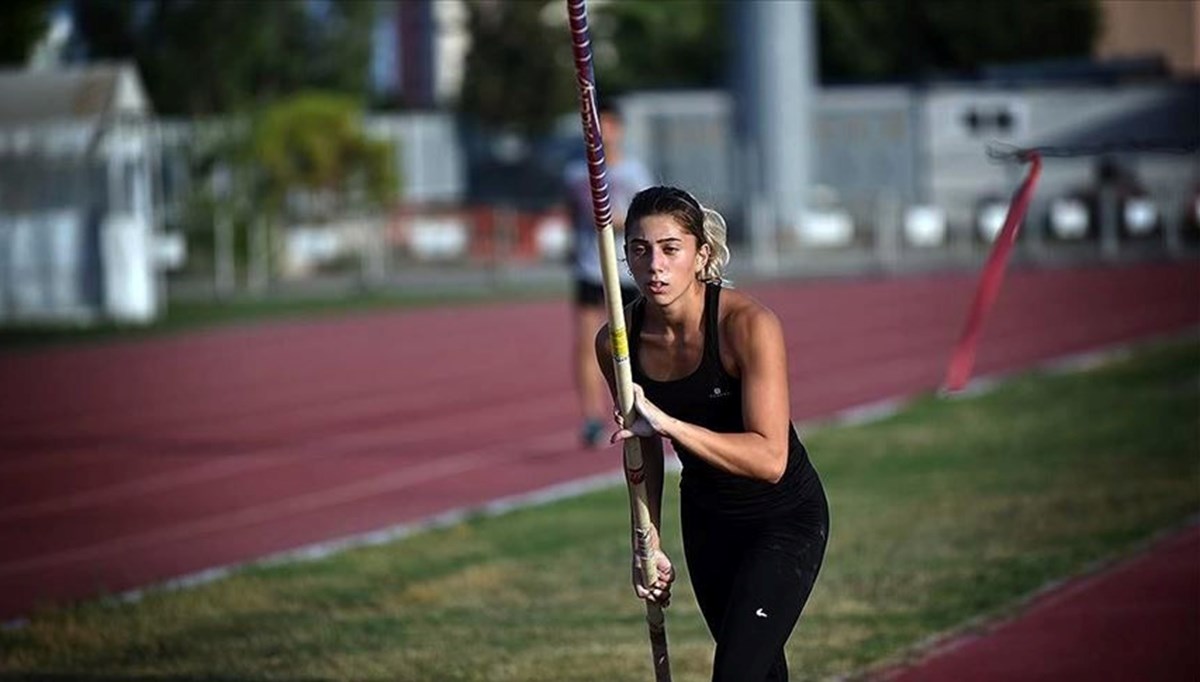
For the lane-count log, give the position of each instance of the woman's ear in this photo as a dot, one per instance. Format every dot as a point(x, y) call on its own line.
point(702, 256)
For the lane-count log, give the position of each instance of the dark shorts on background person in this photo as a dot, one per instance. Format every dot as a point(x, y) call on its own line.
point(590, 294)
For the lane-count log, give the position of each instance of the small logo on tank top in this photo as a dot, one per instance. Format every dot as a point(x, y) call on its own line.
point(719, 392)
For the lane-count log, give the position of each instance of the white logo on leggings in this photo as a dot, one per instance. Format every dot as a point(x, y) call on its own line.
point(760, 613)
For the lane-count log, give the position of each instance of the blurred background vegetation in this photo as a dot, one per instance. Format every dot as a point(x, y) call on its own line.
point(201, 58)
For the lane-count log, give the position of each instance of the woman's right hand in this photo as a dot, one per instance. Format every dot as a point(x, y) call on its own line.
point(648, 419)
point(659, 591)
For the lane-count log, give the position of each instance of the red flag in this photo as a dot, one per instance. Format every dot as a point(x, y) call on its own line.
point(963, 359)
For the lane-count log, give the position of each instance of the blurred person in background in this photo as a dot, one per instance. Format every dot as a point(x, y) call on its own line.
point(626, 176)
point(710, 373)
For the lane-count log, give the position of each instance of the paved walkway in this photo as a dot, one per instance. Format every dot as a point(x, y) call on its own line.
point(1138, 621)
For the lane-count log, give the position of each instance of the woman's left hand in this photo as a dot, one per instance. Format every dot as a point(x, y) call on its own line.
point(648, 421)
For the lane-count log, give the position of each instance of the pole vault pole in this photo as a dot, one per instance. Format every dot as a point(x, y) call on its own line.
point(602, 212)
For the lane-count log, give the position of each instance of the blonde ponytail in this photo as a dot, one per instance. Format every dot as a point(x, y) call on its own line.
point(715, 234)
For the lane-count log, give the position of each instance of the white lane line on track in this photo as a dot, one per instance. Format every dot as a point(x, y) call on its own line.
point(873, 411)
point(272, 457)
point(320, 550)
point(439, 468)
point(867, 412)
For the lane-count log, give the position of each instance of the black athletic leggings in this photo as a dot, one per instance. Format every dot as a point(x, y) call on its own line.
point(752, 579)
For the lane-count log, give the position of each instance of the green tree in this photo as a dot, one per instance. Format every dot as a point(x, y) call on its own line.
point(22, 24)
point(519, 74)
point(314, 161)
point(199, 57)
point(654, 44)
point(642, 44)
point(314, 143)
point(305, 158)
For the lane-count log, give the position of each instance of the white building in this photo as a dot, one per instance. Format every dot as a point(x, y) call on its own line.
point(77, 219)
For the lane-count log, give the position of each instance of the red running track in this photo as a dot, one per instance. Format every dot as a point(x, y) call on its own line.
point(1137, 621)
point(127, 464)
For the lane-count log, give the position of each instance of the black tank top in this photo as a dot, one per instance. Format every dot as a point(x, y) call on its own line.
point(711, 398)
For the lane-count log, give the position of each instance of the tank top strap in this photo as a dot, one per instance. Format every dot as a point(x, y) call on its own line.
point(634, 334)
point(712, 318)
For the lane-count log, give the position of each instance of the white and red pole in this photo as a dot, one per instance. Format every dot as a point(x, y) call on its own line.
point(602, 210)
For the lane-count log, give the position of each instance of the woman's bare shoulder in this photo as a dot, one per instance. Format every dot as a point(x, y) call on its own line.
point(748, 329)
point(742, 312)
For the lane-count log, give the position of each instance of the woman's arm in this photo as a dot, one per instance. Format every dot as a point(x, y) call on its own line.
point(755, 339)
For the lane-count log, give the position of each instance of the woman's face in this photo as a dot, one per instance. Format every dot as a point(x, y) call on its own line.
point(663, 257)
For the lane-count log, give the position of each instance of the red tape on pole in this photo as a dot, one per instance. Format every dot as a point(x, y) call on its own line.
point(963, 359)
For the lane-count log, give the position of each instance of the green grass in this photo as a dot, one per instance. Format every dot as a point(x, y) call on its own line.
point(190, 315)
point(949, 511)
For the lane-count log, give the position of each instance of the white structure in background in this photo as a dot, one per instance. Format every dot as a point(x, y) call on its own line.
point(433, 239)
point(890, 152)
point(1069, 218)
point(429, 157)
point(452, 42)
point(77, 220)
point(924, 226)
point(552, 237)
point(990, 220)
point(824, 222)
point(1140, 215)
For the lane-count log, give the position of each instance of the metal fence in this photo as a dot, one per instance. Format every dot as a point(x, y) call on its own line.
point(902, 181)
